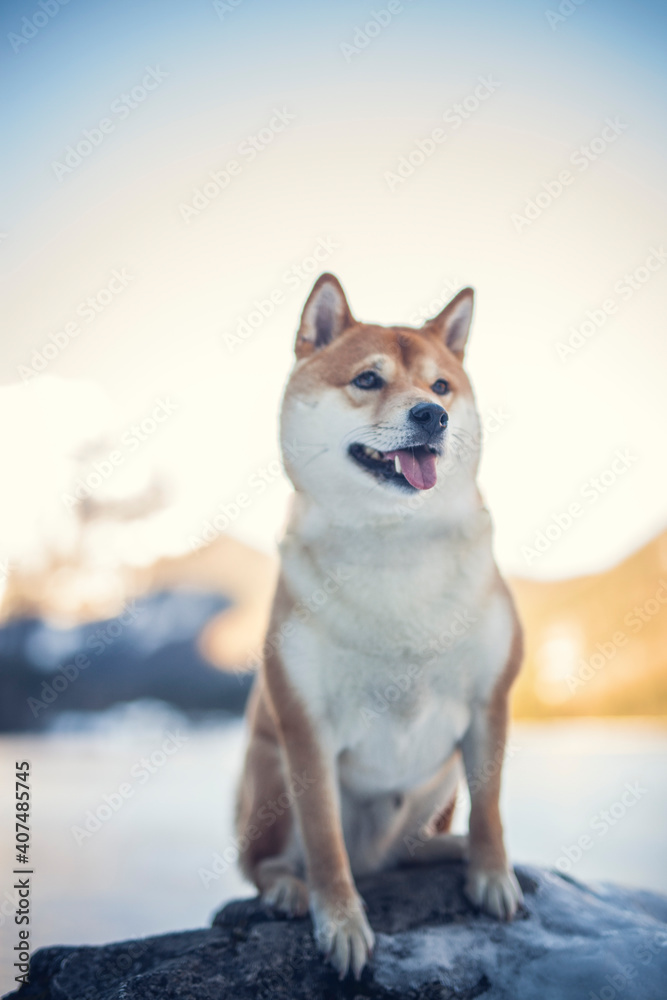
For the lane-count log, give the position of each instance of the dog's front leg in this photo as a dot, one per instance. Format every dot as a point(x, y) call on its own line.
point(342, 931)
point(491, 883)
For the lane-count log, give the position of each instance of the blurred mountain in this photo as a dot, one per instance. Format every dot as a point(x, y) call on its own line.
point(148, 651)
point(75, 639)
point(597, 645)
point(229, 567)
point(188, 629)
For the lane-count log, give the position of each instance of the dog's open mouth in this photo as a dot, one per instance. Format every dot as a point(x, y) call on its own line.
point(412, 467)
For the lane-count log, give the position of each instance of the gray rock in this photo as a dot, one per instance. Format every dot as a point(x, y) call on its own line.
point(571, 941)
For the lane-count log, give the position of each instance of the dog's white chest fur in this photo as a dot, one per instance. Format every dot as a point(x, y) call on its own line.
point(390, 654)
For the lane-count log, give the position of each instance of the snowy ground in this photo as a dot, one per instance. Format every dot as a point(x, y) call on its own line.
point(586, 796)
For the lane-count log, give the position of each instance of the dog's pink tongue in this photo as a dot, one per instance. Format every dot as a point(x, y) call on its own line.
point(418, 467)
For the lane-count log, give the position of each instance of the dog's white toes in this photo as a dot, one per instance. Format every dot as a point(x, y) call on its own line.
point(340, 955)
point(361, 949)
point(343, 934)
point(496, 892)
point(289, 895)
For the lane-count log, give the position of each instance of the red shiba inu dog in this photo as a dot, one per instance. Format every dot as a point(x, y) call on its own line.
point(393, 640)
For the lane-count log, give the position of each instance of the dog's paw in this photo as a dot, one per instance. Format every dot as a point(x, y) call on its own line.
point(342, 933)
point(496, 891)
point(289, 895)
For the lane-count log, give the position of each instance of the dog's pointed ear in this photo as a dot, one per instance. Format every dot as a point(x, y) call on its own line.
point(325, 316)
point(452, 325)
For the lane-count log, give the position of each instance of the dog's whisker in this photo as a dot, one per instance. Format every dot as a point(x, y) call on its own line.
point(318, 454)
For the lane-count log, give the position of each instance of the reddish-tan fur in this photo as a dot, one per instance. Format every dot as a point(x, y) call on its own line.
point(300, 854)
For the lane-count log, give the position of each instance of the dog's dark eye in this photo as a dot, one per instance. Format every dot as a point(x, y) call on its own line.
point(441, 386)
point(368, 380)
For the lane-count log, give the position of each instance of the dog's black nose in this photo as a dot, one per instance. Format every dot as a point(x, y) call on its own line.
point(430, 416)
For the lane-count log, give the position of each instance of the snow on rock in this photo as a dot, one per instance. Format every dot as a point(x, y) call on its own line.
point(571, 941)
